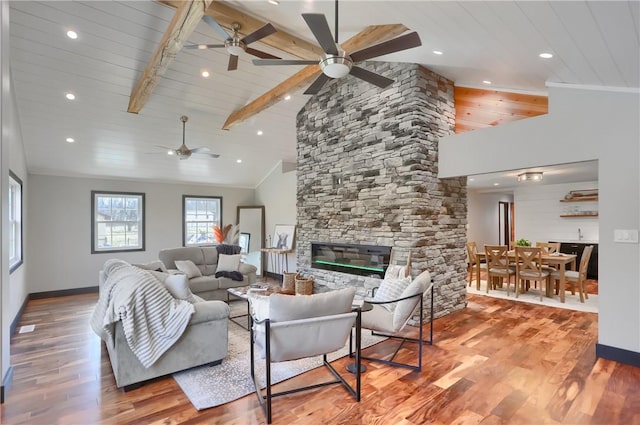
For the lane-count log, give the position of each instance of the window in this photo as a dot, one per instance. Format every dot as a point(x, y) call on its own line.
point(118, 221)
point(199, 215)
point(15, 222)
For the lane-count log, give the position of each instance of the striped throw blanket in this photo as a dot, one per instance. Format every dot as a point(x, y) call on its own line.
point(151, 318)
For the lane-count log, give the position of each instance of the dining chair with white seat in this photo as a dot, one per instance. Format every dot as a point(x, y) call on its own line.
point(529, 267)
point(577, 278)
point(497, 265)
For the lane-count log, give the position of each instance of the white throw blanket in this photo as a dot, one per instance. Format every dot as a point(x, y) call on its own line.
point(151, 318)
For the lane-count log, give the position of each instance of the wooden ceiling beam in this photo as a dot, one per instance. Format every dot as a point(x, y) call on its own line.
point(186, 18)
point(226, 16)
point(370, 35)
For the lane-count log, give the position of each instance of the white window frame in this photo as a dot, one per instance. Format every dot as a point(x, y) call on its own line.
point(207, 223)
point(15, 222)
point(96, 222)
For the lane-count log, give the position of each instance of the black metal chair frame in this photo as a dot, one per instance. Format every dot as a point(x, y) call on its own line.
point(265, 399)
point(404, 339)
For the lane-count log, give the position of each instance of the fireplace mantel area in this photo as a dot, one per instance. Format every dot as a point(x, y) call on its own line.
point(367, 175)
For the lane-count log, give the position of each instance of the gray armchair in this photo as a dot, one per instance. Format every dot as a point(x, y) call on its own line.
point(299, 327)
point(390, 322)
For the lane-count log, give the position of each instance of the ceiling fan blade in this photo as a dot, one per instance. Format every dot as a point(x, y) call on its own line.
point(370, 77)
point(403, 42)
point(211, 155)
point(260, 54)
point(259, 33)
point(315, 87)
point(203, 46)
point(213, 24)
point(261, 62)
point(233, 63)
point(320, 28)
point(202, 149)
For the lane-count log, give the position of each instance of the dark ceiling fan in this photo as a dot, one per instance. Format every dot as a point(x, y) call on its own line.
point(183, 152)
point(234, 44)
point(336, 63)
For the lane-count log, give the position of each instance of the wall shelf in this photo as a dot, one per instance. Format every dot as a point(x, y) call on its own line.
point(581, 199)
point(579, 215)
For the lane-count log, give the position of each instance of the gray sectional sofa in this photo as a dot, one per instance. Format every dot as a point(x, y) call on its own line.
point(206, 286)
point(203, 341)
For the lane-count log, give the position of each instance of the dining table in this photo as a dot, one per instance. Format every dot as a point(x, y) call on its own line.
point(559, 260)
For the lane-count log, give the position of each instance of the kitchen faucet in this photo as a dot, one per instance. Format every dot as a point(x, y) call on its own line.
point(579, 234)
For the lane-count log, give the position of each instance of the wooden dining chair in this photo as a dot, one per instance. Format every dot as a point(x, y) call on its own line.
point(497, 266)
point(549, 248)
point(474, 262)
point(577, 278)
point(529, 267)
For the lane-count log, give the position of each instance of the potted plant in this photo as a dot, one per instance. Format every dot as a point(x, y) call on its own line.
point(523, 242)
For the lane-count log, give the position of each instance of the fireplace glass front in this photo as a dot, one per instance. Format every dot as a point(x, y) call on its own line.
point(362, 260)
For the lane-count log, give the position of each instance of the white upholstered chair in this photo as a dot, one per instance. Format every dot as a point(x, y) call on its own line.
point(390, 322)
point(302, 326)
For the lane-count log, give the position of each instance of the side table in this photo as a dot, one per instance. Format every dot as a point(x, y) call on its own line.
point(278, 260)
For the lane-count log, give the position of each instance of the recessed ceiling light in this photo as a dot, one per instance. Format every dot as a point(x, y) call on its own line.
point(70, 140)
point(70, 96)
point(259, 133)
point(205, 74)
point(437, 52)
point(496, 184)
point(238, 161)
point(287, 97)
point(546, 55)
point(72, 34)
point(202, 47)
point(486, 82)
point(274, 2)
point(471, 179)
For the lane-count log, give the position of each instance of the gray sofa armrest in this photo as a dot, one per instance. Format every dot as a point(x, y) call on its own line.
point(247, 268)
point(207, 311)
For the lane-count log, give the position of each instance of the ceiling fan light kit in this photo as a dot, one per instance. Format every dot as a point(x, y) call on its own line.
point(336, 66)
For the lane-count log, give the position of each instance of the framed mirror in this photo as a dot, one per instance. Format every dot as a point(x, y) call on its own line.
point(251, 226)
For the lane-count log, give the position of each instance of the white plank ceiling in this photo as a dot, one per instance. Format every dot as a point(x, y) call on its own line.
point(594, 44)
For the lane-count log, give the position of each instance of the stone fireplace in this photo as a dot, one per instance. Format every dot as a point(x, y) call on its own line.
point(367, 174)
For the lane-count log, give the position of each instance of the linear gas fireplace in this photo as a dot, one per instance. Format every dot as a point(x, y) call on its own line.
point(363, 260)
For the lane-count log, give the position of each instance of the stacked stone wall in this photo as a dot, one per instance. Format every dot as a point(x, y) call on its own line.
point(367, 174)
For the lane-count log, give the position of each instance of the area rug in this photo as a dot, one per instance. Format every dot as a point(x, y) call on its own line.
point(572, 302)
point(209, 386)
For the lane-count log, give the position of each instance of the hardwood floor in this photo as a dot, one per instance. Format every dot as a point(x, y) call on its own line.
point(496, 361)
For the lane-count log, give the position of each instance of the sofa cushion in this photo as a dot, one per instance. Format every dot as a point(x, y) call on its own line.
point(157, 266)
point(204, 284)
point(228, 263)
point(187, 267)
point(207, 311)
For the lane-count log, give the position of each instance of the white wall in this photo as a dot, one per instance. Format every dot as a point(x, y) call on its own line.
point(581, 125)
point(538, 209)
point(482, 217)
point(277, 192)
point(59, 237)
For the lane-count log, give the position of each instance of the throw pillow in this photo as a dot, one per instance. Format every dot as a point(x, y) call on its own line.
point(228, 263)
point(178, 286)
point(189, 268)
point(406, 307)
point(391, 289)
point(395, 272)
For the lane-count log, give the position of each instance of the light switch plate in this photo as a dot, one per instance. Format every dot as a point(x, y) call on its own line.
point(625, 236)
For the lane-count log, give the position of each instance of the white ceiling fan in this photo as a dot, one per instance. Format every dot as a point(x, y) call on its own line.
point(183, 152)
